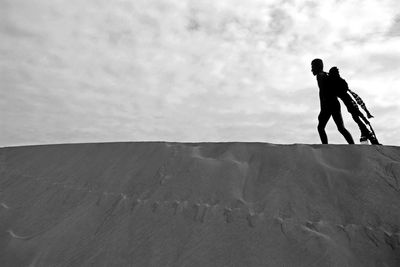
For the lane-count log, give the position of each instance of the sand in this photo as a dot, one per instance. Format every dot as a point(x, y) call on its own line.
point(199, 204)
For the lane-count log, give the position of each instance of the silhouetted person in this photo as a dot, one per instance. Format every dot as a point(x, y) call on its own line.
point(342, 90)
point(329, 103)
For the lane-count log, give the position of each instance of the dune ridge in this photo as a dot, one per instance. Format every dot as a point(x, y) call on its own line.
point(199, 204)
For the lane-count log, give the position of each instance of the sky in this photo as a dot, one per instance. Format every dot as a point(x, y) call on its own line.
point(191, 70)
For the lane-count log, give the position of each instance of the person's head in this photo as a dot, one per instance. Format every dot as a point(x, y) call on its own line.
point(317, 66)
point(334, 72)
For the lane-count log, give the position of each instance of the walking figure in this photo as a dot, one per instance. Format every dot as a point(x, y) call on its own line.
point(329, 104)
point(346, 95)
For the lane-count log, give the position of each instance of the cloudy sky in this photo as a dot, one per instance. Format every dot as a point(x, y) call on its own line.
point(191, 70)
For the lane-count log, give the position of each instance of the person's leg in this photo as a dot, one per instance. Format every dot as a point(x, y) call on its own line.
point(363, 128)
point(359, 118)
point(323, 119)
point(337, 117)
point(372, 138)
point(352, 108)
point(365, 132)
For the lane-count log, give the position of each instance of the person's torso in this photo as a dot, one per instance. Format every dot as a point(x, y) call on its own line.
point(339, 86)
point(327, 94)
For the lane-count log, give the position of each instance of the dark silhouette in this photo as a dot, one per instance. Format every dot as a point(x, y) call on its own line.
point(329, 103)
point(343, 92)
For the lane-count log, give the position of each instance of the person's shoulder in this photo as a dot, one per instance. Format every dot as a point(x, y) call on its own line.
point(322, 76)
point(343, 81)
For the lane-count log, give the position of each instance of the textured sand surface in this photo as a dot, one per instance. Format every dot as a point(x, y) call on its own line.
point(205, 204)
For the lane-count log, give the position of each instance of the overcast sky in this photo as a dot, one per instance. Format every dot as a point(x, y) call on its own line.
point(191, 70)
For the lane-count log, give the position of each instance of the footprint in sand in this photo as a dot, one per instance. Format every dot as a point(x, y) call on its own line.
point(4, 205)
point(228, 215)
point(155, 206)
point(175, 205)
point(252, 219)
point(13, 235)
point(393, 240)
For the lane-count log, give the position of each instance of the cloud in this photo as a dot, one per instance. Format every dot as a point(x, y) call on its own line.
point(394, 29)
point(188, 70)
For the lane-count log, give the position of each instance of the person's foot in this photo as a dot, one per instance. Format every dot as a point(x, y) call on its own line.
point(369, 136)
point(373, 140)
point(363, 139)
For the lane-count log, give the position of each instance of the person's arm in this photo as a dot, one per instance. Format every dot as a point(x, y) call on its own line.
point(361, 103)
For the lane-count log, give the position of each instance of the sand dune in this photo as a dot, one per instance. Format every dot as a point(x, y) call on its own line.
point(204, 204)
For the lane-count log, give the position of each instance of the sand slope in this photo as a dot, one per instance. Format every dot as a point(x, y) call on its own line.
point(206, 204)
